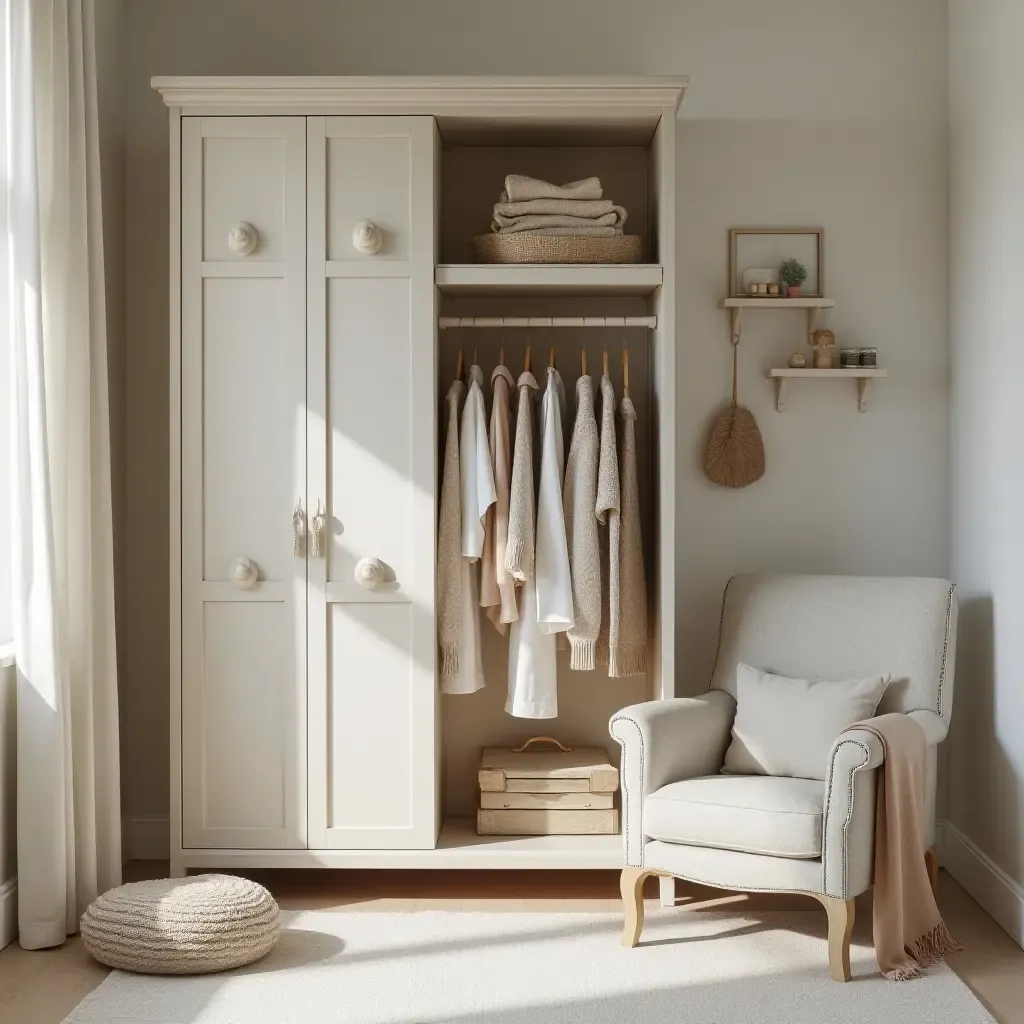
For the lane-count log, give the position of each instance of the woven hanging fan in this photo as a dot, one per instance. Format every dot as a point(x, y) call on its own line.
point(735, 455)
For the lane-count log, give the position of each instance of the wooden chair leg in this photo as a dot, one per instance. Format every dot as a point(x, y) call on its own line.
point(631, 885)
point(931, 860)
point(840, 928)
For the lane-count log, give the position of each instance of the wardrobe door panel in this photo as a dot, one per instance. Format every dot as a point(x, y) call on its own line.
point(248, 648)
point(372, 684)
point(372, 324)
point(368, 178)
point(243, 468)
point(371, 486)
point(243, 180)
point(249, 427)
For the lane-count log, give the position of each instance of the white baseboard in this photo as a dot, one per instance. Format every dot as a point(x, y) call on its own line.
point(146, 838)
point(994, 890)
point(8, 911)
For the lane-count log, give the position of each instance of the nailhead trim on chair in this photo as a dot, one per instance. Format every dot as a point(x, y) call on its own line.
point(626, 801)
point(945, 645)
point(828, 804)
point(721, 624)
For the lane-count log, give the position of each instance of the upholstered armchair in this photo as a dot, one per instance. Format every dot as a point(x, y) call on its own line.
point(756, 833)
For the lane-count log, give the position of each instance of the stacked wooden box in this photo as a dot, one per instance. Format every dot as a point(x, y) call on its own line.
point(547, 792)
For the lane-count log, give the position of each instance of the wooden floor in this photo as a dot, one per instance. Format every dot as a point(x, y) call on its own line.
point(43, 987)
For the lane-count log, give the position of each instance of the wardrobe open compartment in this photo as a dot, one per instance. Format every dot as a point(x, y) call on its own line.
point(628, 316)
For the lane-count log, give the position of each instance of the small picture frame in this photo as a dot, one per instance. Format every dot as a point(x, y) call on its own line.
point(768, 247)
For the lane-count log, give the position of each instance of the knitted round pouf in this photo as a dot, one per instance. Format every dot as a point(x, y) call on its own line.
point(181, 925)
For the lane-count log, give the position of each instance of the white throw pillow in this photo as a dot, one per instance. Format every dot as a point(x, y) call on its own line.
point(787, 726)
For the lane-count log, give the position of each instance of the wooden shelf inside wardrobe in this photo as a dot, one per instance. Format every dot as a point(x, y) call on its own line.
point(548, 279)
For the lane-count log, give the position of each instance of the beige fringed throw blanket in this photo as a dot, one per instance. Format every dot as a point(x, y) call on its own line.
point(909, 933)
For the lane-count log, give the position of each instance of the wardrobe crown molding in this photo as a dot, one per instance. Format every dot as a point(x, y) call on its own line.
point(637, 98)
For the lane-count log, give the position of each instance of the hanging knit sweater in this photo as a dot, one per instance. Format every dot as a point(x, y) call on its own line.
point(497, 588)
point(520, 549)
point(607, 512)
point(628, 643)
point(580, 501)
point(449, 543)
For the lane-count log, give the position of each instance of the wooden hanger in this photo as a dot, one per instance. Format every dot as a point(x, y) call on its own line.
point(604, 363)
point(458, 366)
point(551, 357)
point(528, 354)
point(583, 362)
point(625, 372)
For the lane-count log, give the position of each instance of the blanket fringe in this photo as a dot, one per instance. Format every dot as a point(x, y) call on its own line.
point(926, 951)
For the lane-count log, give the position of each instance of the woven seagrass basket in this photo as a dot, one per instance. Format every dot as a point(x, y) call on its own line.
point(521, 247)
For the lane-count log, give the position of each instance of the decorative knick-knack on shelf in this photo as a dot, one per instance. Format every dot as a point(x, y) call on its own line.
point(823, 342)
point(797, 361)
point(792, 274)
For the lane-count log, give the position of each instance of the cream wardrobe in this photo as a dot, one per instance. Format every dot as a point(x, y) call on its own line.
point(320, 233)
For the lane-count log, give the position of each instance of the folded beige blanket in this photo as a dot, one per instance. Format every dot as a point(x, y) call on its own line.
point(605, 232)
point(567, 207)
point(909, 933)
point(534, 221)
point(520, 189)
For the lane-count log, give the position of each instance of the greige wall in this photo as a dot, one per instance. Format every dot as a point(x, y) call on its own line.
point(986, 797)
point(801, 112)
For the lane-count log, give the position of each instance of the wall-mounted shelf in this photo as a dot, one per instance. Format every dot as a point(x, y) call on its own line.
point(862, 375)
point(548, 279)
point(812, 305)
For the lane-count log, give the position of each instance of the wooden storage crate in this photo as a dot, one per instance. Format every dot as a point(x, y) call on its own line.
point(547, 792)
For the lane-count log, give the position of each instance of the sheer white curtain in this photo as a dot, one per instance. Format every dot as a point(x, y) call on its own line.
point(69, 838)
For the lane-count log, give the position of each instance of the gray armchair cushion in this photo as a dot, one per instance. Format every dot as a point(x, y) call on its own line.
point(780, 817)
point(786, 726)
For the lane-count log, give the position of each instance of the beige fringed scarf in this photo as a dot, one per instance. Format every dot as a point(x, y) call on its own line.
point(579, 498)
point(497, 588)
point(449, 543)
point(606, 510)
point(909, 933)
point(520, 549)
point(628, 643)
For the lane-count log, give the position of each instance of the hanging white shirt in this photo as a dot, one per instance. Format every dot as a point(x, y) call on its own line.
point(477, 495)
point(554, 583)
point(532, 670)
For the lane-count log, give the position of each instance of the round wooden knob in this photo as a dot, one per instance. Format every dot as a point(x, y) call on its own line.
point(242, 238)
point(369, 573)
point(367, 237)
point(244, 573)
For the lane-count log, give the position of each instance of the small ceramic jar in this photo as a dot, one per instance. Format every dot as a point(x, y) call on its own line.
point(869, 357)
point(849, 358)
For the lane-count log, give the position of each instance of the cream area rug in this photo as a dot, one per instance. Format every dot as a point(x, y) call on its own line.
point(492, 968)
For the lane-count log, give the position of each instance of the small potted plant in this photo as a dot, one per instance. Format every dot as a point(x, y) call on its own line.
point(792, 274)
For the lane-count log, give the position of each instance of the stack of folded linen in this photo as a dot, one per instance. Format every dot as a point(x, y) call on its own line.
point(538, 207)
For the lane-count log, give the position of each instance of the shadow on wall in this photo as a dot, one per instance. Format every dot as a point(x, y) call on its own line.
point(985, 786)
